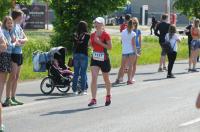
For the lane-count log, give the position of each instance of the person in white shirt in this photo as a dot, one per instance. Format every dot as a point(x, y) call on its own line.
point(173, 38)
point(128, 52)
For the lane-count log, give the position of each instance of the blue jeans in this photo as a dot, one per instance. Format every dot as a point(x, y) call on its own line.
point(80, 62)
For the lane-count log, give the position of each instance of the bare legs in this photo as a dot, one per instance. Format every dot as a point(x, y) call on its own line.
point(2, 83)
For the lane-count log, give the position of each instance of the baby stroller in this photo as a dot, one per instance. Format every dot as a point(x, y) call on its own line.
point(55, 79)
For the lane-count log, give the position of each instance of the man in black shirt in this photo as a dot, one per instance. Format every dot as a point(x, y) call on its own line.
point(160, 31)
point(153, 24)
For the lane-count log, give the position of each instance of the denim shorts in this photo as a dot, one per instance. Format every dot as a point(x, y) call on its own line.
point(195, 44)
point(129, 54)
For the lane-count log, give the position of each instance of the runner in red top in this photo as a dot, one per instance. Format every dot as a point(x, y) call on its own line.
point(100, 42)
point(125, 24)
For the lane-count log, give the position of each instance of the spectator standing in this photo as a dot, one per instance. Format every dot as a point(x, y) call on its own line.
point(19, 39)
point(100, 42)
point(125, 23)
point(153, 24)
point(121, 20)
point(138, 42)
point(161, 30)
point(5, 57)
point(188, 33)
point(80, 55)
point(173, 38)
point(128, 52)
point(195, 44)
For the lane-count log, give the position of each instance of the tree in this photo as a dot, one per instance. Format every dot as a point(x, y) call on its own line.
point(70, 12)
point(190, 8)
point(6, 5)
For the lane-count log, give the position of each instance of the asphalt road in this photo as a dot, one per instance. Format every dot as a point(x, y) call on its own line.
point(152, 104)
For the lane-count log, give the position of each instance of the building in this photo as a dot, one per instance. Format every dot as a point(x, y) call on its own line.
point(156, 8)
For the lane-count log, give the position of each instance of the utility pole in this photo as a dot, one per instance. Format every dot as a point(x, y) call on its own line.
point(168, 10)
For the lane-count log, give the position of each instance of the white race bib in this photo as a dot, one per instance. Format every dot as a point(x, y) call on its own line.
point(98, 56)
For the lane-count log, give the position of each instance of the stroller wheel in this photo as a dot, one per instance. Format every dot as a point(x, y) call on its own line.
point(64, 89)
point(47, 85)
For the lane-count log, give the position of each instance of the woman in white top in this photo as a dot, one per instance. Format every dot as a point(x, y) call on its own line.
point(173, 38)
point(128, 51)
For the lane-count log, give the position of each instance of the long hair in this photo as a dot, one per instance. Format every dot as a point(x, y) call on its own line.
point(196, 23)
point(136, 22)
point(172, 30)
point(82, 27)
point(130, 26)
point(6, 18)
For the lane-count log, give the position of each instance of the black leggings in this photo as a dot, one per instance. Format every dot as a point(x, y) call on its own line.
point(171, 58)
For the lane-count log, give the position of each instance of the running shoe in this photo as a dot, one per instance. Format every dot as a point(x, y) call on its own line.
point(171, 76)
point(129, 82)
point(93, 102)
point(16, 101)
point(9, 102)
point(160, 69)
point(108, 100)
point(165, 68)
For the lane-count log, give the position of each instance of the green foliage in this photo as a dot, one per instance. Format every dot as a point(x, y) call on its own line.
point(190, 8)
point(70, 12)
point(6, 5)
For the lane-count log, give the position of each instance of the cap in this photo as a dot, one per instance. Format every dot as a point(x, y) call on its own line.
point(100, 20)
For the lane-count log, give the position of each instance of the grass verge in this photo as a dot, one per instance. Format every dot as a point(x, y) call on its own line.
point(40, 40)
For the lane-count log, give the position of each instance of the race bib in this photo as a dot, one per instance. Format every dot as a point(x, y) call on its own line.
point(98, 56)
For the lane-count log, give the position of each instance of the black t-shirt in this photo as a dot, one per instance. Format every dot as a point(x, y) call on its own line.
point(189, 33)
point(81, 43)
point(163, 29)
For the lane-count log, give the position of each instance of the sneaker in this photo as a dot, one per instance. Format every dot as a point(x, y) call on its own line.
point(194, 70)
point(108, 100)
point(160, 69)
point(171, 76)
point(9, 102)
point(75, 93)
point(129, 82)
point(93, 102)
point(2, 128)
point(16, 101)
point(165, 68)
point(84, 92)
point(189, 70)
point(117, 81)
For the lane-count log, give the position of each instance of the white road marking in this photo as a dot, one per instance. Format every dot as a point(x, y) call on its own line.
point(190, 122)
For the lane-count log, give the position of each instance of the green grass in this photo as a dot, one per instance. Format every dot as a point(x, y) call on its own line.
point(40, 40)
point(150, 51)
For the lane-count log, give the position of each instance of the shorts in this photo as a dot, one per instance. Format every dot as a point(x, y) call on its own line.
point(129, 54)
point(104, 65)
point(17, 58)
point(5, 62)
point(163, 52)
point(195, 44)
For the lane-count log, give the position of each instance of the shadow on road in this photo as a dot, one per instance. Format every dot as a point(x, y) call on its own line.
point(113, 85)
point(146, 73)
point(111, 74)
point(70, 111)
point(57, 96)
point(154, 79)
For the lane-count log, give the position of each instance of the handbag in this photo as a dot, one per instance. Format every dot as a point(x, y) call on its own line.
point(70, 62)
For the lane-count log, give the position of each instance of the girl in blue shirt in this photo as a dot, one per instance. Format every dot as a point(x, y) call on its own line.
point(138, 41)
